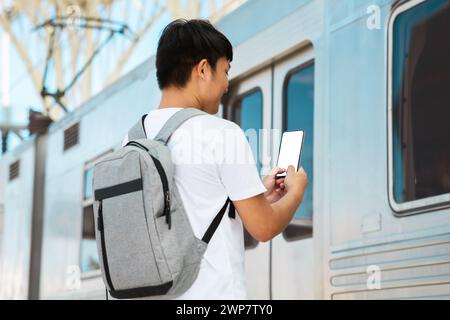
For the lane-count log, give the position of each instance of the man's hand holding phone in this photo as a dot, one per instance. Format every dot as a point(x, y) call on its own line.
point(294, 181)
point(275, 186)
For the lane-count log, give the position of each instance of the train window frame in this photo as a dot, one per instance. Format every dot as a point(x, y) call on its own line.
point(298, 228)
point(249, 241)
point(86, 203)
point(411, 207)
point(240, 97)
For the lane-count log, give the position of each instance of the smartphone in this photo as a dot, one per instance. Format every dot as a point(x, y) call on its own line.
point(290, 150)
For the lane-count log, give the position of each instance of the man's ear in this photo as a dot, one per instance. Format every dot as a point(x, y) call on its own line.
point(201, 68)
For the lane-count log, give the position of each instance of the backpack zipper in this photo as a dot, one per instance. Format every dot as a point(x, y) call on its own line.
point(102, 243)
point(165, 184)
point(167, 209)
point(100, 217)
point(164, 181)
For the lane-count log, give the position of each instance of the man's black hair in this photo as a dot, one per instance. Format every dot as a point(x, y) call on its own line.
point(183, 44)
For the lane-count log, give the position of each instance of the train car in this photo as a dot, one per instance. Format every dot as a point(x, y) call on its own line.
point(20, 207)
point(365, 79)
point(2, 205)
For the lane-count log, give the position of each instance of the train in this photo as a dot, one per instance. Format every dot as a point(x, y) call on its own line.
point(367, 80)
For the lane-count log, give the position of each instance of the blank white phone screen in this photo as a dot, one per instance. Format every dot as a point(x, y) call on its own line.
point(291, 144)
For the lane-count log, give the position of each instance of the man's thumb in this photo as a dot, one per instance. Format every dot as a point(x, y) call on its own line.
point(274, 171)
point(290, 169)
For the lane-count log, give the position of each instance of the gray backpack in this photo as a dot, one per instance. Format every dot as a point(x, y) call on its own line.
point(145, 242)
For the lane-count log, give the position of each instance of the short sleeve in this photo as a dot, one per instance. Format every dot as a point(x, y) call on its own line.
point(237, 167)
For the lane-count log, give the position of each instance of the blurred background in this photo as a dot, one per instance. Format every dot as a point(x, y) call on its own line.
point(55, 55)
point(366, 80)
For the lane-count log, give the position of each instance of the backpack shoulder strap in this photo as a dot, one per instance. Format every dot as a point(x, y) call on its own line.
point(216, 221)
point(175, 121)
point(138, 130)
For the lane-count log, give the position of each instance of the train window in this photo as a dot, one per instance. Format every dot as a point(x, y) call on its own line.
point(88, 174)
point(420, 99)
point(247, 112)
point(88, 250)
point(89, 257)
point(299, 115)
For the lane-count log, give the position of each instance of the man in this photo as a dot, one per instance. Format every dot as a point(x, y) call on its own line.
point(213, 159)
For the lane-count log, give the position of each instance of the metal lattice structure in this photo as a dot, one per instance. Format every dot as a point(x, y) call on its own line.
point(71, 37)
point(74, 45)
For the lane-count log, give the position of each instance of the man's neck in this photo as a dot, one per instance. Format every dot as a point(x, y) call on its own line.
point(178, 98)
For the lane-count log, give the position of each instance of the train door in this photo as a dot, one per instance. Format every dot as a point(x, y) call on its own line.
point(248, 103)
point(292, 256)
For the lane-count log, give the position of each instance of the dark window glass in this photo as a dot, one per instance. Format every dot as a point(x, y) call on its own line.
point(88, 175)
point(299, 115)
point(88, 255)
point(421, 101)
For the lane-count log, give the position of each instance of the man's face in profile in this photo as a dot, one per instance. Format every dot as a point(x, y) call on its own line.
point(214, 85)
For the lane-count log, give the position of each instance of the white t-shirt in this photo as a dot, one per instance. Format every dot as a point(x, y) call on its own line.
point(213, 161)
